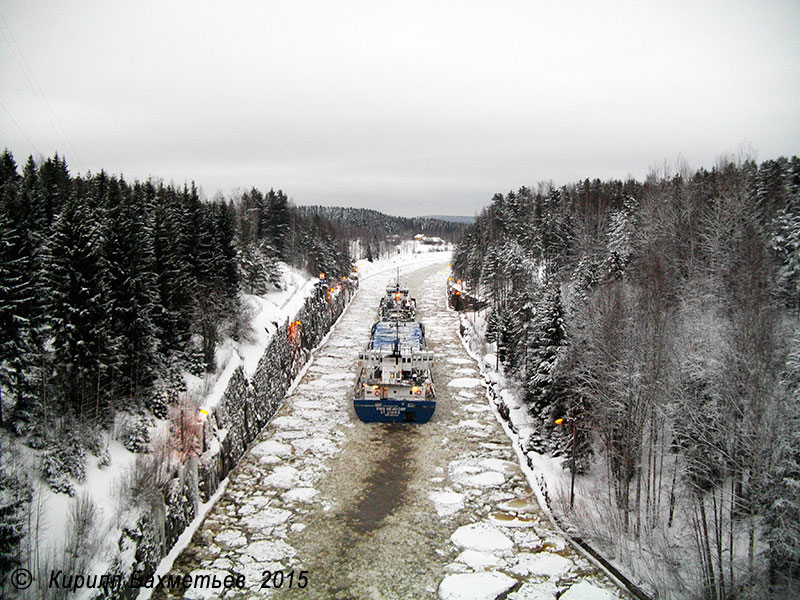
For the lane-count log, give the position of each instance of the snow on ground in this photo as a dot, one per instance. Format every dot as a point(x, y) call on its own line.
point(268, 313)
point(103, 485)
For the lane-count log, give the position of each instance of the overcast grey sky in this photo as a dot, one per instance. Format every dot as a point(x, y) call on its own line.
point(406, 107)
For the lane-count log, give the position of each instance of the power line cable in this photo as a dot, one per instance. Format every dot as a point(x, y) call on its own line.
point(33, 82)
point(22, 131)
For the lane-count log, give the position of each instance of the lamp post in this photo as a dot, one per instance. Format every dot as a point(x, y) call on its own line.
point(203, 414)
point(561, 421)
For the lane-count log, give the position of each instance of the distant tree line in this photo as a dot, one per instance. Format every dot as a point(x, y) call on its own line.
point(662, 318)
point(375, 230)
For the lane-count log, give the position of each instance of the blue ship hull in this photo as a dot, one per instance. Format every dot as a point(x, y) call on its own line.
point(394, 411)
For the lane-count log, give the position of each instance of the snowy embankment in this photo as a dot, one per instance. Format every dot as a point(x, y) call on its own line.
point(270, 311)
point(106, 480)
point(545, 474)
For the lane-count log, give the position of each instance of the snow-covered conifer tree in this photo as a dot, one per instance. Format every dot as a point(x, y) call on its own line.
point(545, 389)
point(75, 273)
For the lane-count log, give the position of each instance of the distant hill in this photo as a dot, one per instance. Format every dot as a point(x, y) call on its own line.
point(452, 218)
point(367, 224)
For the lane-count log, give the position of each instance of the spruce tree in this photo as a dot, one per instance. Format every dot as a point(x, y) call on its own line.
point(786, 244)
point(175, 283)
point(217, 277)
point(15, 497)
point(79, 309)
point(19, 349)
point(258, 269)
point(131, 285)
point(53, 188)
point(277, 220)
point(545, 389)
point(20, 311)
point(782, 523)
point(620, 240)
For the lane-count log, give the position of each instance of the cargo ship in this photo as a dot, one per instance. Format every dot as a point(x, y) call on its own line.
point(396, 304)
point(395, 382)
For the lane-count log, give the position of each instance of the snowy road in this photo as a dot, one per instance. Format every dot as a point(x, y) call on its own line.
point(379, 511)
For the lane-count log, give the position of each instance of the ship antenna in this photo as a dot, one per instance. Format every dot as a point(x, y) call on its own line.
point(397, 338)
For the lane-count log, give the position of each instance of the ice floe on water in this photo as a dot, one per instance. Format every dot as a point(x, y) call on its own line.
point(502, 519)
point(486, 479)
point(458, 360)
point(312, 415)
point(469, 473)
point(266, 517)
point(520, 505)
point(271, 447)
point(542, 564)
point(283, 476)
point(203, 592)
point(270, 459)
point(464, 382)
point(301, 494)
point(528, 538)
point(471, 423)
point(583, 590)
point(289, 423)
point(317, 445)
point(446, 502)
point(534, 591)
point(475, 586)
point(315, 404)
point(290, 435)
point(481, 536)
point(465, 371)
point(497, 464)
point(341, 376)
point(270, 550)
point(230, 537)
point(554, 543)
point(479, 561)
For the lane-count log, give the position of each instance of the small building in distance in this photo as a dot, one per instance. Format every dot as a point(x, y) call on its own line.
point(422, 238)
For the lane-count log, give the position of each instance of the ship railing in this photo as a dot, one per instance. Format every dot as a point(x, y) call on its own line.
point(410, 359)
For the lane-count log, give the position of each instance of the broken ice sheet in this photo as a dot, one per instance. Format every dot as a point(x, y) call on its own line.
point(481, 536)
point(446, 502)
point(475, 586)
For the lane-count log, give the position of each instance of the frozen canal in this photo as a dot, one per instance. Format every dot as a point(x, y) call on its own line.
point(439, 510)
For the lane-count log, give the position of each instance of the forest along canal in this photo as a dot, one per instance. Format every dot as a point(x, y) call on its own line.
point(385, 511)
